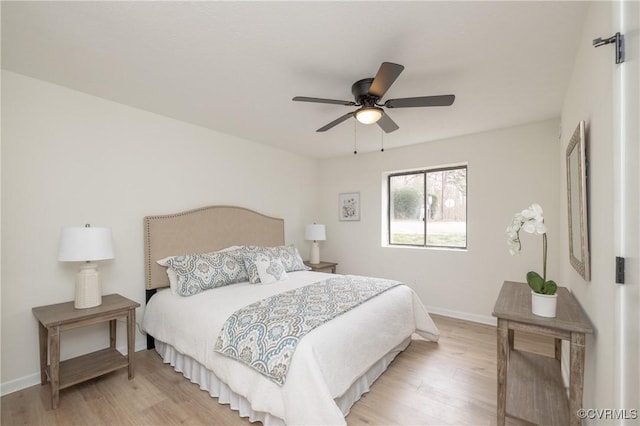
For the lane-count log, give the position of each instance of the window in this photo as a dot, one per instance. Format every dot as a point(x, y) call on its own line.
point(428, 208)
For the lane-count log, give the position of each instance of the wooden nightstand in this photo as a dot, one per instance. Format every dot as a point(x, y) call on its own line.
point(329, 267)
point(53, 319)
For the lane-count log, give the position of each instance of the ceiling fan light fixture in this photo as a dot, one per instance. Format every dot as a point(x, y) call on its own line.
point(368, 115)
point(367, 94)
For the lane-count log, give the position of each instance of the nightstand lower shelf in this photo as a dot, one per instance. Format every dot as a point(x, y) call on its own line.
point(89, 366)
point(535, 392)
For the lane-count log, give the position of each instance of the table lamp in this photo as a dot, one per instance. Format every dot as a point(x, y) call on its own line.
point(87, 245)
point(315, 233)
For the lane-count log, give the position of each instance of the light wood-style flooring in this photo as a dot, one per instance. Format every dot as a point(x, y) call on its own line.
point(452, 382)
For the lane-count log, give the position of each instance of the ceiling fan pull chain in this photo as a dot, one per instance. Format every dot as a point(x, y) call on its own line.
point(355, 137)
point(381, 141)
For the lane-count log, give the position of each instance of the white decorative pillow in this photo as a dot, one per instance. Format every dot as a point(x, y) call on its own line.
point(202, 271)
point(173, 277)
point(270, 270)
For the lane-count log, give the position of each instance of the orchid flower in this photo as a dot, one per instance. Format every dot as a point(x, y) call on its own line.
point(530, 220)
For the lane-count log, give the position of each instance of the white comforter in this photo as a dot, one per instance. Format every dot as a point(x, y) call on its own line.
point(326, 362)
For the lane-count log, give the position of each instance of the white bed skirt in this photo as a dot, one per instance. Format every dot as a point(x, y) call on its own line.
point(208, 381)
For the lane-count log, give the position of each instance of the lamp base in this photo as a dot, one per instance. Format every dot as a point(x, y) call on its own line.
point(315, 253)
point(88, 287)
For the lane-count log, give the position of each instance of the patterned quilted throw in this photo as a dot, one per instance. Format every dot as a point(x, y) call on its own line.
point(264, 335)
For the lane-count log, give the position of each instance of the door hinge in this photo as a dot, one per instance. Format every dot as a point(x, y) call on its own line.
point(618, 40)
point(619, 270)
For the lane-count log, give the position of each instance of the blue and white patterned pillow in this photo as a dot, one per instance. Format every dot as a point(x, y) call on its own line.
point(288, 256)
point(203, 271)
point(250, 256)
point(173, 277)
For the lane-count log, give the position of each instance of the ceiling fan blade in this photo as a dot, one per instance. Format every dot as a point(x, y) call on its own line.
point(323, 101)
point(385, 77)
point(387, 124)
point(335, 122)
point(420, 101)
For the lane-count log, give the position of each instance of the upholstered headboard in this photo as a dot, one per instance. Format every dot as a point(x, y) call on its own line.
point(203, 230)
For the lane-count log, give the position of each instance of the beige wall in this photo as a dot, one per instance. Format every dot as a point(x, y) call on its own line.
point(69, 158)
point(508, 169)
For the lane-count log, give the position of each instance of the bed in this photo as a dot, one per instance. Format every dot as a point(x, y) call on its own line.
point(332, 366)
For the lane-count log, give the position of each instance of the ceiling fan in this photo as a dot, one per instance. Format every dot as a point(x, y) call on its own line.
point(367, 94)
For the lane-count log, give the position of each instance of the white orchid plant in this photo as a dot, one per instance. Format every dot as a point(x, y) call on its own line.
point(531, 221)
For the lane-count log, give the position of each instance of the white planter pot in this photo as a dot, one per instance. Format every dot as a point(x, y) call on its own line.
point(544, 305)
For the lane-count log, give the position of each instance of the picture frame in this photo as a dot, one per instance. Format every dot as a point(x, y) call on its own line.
point(349, 206)
point(577, 202)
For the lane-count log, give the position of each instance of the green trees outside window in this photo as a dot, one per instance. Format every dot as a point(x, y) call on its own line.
point(428, 208)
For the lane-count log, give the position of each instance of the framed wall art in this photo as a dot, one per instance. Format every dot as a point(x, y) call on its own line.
point(349, 206)
point(577, 193)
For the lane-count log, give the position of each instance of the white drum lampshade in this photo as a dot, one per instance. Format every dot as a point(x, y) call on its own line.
point(87, 245)
point(315, 233)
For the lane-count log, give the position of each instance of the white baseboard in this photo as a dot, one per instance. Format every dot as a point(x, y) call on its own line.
point(34, 379)
point(19, 384)
point(482, 319)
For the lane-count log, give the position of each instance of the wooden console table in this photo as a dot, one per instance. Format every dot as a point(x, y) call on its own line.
point(534, 390)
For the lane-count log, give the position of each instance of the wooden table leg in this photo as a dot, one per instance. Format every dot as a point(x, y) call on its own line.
point(112, 334)
point(131, 336)
point(44, 352)
point(54, 368)
point(558, 349)
point(576, 377)
point(503, 360)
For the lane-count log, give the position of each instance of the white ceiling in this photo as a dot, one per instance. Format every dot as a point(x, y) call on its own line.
point(234, 66)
